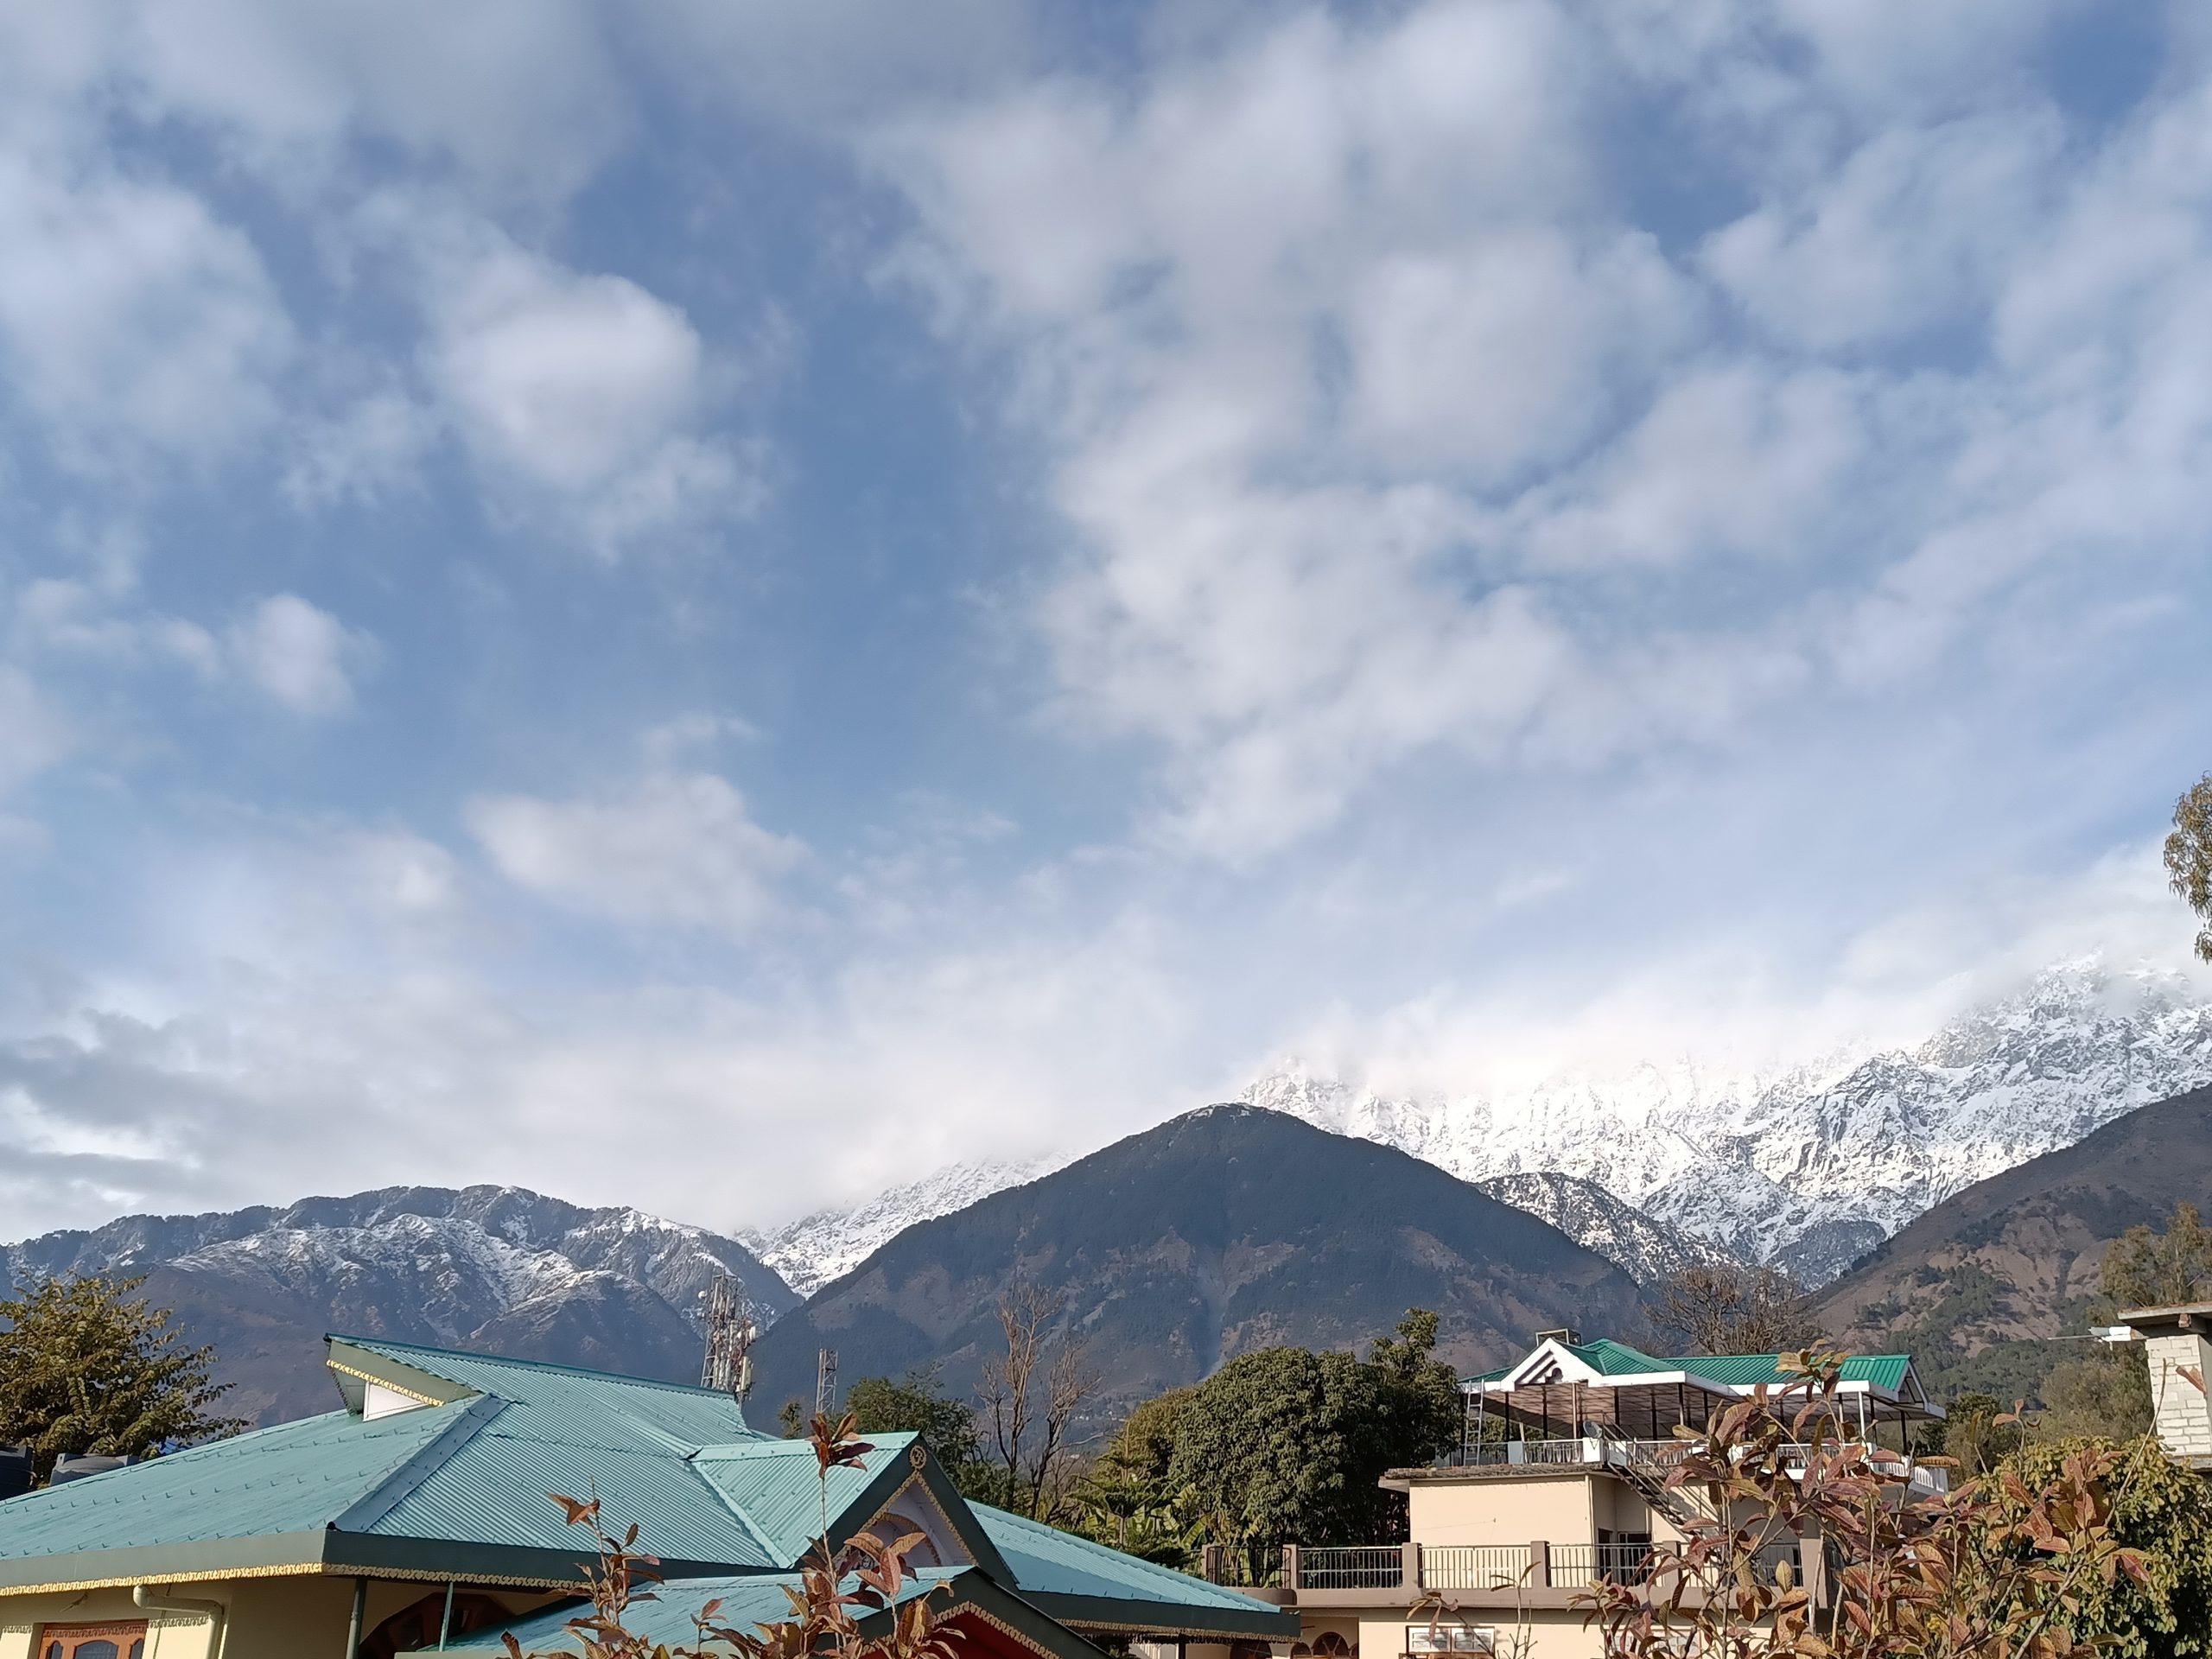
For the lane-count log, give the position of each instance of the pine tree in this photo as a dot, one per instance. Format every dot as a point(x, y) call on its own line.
point(87, 1366)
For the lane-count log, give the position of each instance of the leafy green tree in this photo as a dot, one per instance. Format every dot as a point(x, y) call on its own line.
point(2189, 856)
point(919, 1405)
point(2159, 1510)
point(1285, 1445)
point(1977, 1432)
point(2143, 1268)
point(88, 1367)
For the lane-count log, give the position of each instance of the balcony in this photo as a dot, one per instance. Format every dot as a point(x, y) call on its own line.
point(1536, 1574)
point(1507, 1459)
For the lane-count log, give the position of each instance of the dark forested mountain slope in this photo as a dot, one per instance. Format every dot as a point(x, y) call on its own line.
point(1979, 1285)
point(1223, 1230)
point(493, 1268)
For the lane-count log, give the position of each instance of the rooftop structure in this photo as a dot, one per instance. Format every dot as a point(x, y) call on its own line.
point(352, 1533)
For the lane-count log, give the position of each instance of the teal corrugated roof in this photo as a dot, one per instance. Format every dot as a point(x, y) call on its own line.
point(1610, 1359)
point(693, 1416)
point(1885, 1372)
point(294, 1477)
point(1047, 1561)
point(771, 1483)
point(747, 1604)
point(474, 1476)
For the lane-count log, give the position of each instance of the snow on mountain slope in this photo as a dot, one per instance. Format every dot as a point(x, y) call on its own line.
point(816, 1248)
point(1813, 1167)
point(495, 1268)
point(1645, 1248)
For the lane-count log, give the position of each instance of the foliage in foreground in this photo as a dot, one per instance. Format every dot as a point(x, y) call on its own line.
point(2002, 1567)
point(838, 1589)
point(88, 1366)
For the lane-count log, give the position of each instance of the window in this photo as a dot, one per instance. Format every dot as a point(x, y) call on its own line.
point(1450, 1638)
point(93, 1642)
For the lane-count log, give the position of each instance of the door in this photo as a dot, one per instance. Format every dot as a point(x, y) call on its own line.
point(93, 1641)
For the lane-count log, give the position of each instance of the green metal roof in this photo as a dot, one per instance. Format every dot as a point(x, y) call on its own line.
point(293, 1477)
point(1886, 1372)
point(463, 1488)
point(748, 1602)
point(1086, 1583)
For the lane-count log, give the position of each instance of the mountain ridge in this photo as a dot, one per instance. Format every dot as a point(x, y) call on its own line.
point(1225, 1229)
point(502, 1268)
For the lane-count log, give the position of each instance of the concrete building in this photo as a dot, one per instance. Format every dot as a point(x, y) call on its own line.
point(1559, 1484)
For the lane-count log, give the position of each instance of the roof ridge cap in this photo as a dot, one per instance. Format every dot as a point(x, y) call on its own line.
point(532, 1364)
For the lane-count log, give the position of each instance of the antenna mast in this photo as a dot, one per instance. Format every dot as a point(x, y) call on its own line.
point(731, 1329)
point(825, 1381)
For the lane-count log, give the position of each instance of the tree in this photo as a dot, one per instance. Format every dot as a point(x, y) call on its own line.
point(2161, 1511)
point(2001, 1566)
point(2146, 1269)
point(1031, 1395)
point(919, 1406)
point(88, 1367)
point(1719, 1307)
point(1978, 1433)
point(2189, 856)
point(2107, 1391)
point(1285, 1445)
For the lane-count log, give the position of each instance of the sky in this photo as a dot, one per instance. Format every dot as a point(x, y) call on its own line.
point(710, 604)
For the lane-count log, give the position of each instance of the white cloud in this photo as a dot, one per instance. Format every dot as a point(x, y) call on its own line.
point(582, 396)
point(299, 655)
point(677, 850)
point(129, 311)
point(1388, 435)
point(519, 95)
point(34, 733)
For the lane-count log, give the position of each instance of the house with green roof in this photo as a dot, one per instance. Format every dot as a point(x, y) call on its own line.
point(1560, 1483)
point(422, 1512)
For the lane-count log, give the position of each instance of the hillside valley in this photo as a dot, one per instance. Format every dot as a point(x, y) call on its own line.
point(1991, 1288)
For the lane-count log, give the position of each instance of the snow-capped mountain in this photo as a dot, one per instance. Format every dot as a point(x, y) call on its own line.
point(1808, 1166)
point(814, 1249)
point(1813, 1167)
point(498, 1268)
point(1645, 1248)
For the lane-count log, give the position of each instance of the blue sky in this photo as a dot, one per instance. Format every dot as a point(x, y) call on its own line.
point(709, 604)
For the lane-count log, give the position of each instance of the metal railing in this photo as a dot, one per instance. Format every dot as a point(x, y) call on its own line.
point(1352, 1566)
point(1574, 1566)
point(1474, 1566)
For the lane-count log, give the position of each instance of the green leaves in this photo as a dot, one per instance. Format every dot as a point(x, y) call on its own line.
point(2189, 856)
point(87, 1366)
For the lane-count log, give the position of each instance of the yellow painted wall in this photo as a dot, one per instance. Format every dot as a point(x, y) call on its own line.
point(301, 1617)
point(1547, 1634)
point(1503, 1511)
point(169, 1636)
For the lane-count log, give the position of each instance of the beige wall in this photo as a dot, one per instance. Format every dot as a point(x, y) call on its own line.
point(302, 1618)
point(1558, 1510)
point(1547, 1634)
point(169, 1636)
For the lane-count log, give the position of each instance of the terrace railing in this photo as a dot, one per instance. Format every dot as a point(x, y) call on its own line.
point(1474, 1566)
point(1356, 1566)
